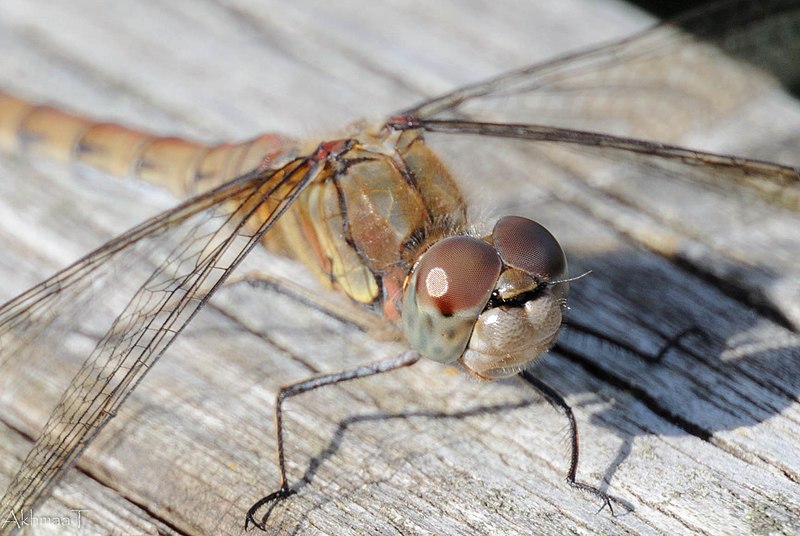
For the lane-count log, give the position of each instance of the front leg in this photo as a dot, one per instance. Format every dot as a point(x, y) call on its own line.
point(558, 402)
point(403, 360)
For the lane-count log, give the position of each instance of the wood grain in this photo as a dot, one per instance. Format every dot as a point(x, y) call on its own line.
point(705, 442)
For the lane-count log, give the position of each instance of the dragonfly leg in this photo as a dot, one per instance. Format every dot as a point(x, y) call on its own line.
point(558, 402)
point(403, 360)
point(341, 309)
point(676, 341)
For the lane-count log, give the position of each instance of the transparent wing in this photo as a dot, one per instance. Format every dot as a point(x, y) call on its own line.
point(776, 183)
point(170, 265)
point(645, 86)
point(646, 191)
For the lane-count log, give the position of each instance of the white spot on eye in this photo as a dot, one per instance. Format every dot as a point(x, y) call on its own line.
point(492, 319)
point(436, 283)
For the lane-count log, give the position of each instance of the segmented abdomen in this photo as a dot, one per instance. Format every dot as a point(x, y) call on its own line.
point(181, 166)
point(358, 227)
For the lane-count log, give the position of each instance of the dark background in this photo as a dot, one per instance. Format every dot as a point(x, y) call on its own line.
point(786, 71)
point(668, 9)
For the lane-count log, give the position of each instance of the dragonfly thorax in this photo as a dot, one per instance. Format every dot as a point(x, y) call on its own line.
point(487, 303)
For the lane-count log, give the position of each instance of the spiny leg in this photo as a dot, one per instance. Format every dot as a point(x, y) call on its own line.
point(345, 310)
point(403, 360)
point(558, 402)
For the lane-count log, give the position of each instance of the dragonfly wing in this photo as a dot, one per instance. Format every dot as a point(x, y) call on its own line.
point(777, 183)
point(698, 207)
point(645, 86)
point(190, 250)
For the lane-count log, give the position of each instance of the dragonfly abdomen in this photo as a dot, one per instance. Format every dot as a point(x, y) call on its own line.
point(359, 228)
point(181, 166)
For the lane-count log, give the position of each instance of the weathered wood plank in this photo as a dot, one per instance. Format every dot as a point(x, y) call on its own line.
point(705, 442)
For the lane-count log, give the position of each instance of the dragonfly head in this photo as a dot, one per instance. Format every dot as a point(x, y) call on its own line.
point(487, 303)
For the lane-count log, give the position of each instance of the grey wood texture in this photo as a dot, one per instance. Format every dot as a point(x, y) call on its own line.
point(706, 442)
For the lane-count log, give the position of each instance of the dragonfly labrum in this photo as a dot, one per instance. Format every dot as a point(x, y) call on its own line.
point(374, 213)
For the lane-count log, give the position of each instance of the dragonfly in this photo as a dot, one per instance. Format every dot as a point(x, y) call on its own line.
point(281, 173)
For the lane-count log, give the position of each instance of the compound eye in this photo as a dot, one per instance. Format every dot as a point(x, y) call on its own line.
point(457, 275)
point(528, 246)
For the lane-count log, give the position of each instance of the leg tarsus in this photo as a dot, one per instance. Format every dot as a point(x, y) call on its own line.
point(602, 495)
point(558, 402)
point(403, 360)
point(274, 497)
